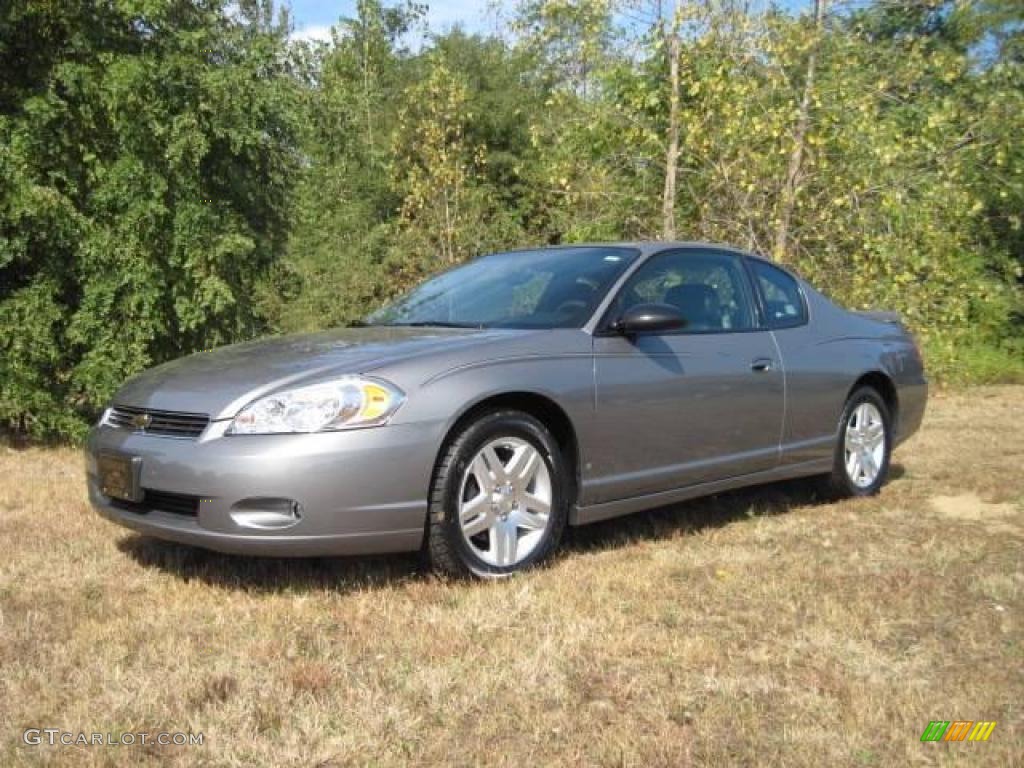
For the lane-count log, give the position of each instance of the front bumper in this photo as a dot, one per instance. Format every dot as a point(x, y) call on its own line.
point(351, 492)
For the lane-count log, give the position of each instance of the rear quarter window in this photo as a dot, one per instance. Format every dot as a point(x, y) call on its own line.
point(784, 305)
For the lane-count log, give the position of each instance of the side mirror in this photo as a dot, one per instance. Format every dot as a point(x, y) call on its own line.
point(649, 318)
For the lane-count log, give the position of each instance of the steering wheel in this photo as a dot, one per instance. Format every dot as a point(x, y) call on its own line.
point(570, 306)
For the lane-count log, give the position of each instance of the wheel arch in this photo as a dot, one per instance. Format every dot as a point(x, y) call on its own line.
point(883, 384)
point(540, 406)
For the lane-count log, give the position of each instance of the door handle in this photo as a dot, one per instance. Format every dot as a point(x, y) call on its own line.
point(761, 365)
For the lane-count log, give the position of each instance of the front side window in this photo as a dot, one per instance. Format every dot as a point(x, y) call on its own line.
point(709, 289)
point(549, 288)
point(783, 303)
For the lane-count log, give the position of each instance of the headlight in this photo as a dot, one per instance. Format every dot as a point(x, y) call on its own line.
point(344, 403)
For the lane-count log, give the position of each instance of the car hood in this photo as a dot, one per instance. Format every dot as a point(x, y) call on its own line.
point(222, 381)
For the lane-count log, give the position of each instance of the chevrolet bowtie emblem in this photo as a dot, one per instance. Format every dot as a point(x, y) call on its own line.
point(141, 420)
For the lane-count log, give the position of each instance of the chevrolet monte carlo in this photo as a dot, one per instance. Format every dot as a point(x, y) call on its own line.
point(499, 402)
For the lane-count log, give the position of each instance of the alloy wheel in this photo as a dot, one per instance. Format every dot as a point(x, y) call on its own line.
point(505, 501)
point(864, 445)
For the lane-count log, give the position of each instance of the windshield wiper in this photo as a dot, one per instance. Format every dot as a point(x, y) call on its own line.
point(434, 324)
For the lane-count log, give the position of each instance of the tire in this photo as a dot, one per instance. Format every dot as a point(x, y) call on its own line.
point(487, 522)
point(865, 474)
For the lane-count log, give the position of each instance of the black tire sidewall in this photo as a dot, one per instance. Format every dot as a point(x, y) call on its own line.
point(840, 478)
point(467, 444)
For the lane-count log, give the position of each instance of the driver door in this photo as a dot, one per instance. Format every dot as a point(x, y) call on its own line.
point(688, 406)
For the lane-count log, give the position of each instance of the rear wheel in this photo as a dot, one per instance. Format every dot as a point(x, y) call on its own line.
point(864, 446)
point(499, 498)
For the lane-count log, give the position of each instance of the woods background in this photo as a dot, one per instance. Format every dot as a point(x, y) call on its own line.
point(178, 175)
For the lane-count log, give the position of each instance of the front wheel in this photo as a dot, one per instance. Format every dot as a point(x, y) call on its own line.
point(499, 498)
point(864, 446)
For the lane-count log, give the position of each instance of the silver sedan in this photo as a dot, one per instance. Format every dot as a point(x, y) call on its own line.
point(503, 400)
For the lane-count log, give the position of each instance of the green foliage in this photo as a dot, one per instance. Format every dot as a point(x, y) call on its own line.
point(177, 175)
point(983, 362)
point(414, 162)
point(147, 150)
point(908, 196)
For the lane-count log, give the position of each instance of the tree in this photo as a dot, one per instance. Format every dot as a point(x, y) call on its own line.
point(148, 156)
point(791, 183)
point(668, 205)
point(175, 175)
point(341, 215)
point(434, 167)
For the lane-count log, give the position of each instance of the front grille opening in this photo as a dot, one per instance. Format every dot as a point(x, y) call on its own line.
point(161, 501)
point(164, 423)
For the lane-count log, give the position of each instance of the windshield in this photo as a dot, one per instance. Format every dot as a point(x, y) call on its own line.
point(550, 288)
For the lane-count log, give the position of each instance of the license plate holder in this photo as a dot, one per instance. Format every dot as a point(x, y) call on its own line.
point(119, 476)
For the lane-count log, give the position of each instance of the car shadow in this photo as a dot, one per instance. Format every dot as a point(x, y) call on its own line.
point(271, 574)
point(693, 516)
point(346, 574)
point(704, 513)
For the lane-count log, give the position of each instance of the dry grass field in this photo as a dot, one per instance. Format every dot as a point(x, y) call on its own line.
point(764, 627)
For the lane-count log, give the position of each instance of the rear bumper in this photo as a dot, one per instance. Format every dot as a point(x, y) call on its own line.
point(355, 492)
point(912, 401)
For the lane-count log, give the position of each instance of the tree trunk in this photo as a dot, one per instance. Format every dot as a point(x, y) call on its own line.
point(668, 201)
point(791, 183)
point(367, 103)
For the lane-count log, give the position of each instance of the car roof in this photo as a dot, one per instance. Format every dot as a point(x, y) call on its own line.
point(647, 247)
